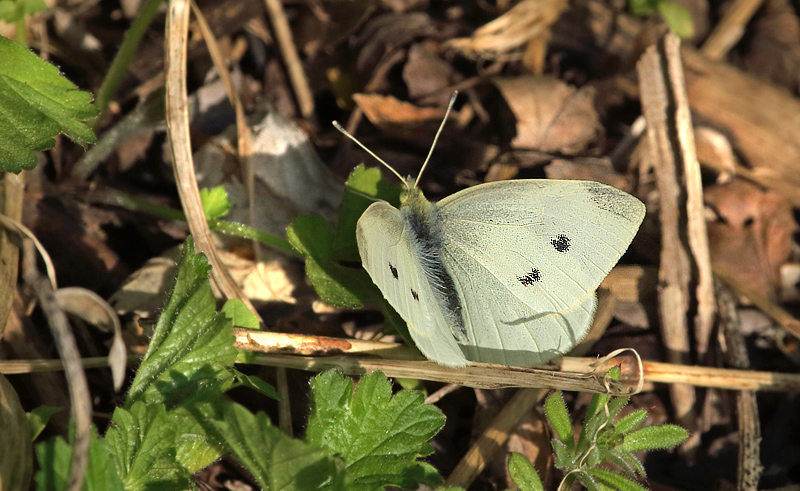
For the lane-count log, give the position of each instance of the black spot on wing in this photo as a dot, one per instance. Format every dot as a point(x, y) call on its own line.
point(530, 278)
point(561, 243)
point(415, 295)
point(393, 270)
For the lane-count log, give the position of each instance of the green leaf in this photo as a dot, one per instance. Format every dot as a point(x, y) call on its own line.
point(642, 8)
point(240, 316)
point(615, 481)
point(16, 453)
point(13, 11)
point(255, 383)
point(335, 284)
point(655, 437)
point(215, 202)
point(631, 421)
point(586, 479)
point(565, 458)
point(38, 418)
point(156, 449)
point(191, 352)
point(55, 458)
point(364, 186)
point(379, 436)
point(619, 459)
point(632, 460)
point(276, 461)
point(37, 103)
point(677, 18)
point(523, 473)
point(556, 411)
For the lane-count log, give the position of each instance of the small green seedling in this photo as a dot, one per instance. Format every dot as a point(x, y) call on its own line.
point(602, 441)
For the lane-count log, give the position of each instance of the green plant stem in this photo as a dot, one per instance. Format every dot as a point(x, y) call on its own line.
point(21, 30)
point(231, 228)
point(126, 51)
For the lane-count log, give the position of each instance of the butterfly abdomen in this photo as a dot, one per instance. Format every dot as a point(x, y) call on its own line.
point(423, 221)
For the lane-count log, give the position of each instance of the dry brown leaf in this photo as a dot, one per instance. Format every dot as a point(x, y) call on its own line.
point(388, 32)
point(551, 115)
point(588, 169)
point(425, 73)
point(774, 50)
point(525, 22)
point(399, 119)
point(751, 234)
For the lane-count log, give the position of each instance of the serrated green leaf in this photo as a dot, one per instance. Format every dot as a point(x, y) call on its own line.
point(16, 453)
point(655, 437)
point(36, 104)
point(677, 18)
point(631, 421)
point(556, 411)
point(240, 316)
point(191, 352)
point(55, 458)
point(276, 461)
point(255, 383)
point(215, 202)
point(523, 473)
point(615, 480)
point(38, 418)
point(156, 449)
point(379, 436)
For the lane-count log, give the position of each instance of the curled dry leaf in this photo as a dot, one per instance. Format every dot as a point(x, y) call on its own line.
point(399, 119)
point(526, 22)
point(93, 309)
point(289, 178)
point(750, 234)
point(551, 115)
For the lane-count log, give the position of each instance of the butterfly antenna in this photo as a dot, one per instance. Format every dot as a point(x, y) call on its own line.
point(436, 138)
point(348, 135)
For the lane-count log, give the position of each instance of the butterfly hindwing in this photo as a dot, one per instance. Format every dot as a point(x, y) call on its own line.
point(527, 257)
point(390, 260)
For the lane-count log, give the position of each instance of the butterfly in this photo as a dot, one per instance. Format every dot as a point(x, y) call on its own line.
point(502, 272)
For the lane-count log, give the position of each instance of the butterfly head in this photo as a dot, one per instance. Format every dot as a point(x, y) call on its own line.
point(412, 196)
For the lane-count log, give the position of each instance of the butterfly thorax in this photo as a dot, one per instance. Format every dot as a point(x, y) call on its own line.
point(424, 223)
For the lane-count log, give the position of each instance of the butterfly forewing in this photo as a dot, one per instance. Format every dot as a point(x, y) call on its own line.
point(387, 255)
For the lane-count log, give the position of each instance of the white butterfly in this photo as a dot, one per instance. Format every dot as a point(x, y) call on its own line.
point(503, 272)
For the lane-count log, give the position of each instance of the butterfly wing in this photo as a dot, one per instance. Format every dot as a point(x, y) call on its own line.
point(386, 254)
point(527, 256)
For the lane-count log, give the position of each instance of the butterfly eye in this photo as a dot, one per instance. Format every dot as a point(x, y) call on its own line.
point(561, 243)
